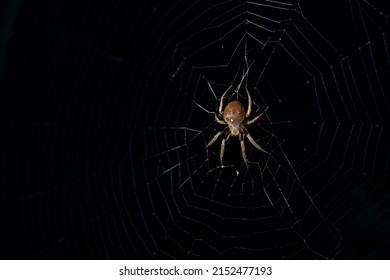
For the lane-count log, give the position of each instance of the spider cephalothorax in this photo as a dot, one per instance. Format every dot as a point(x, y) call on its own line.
point(234, 117)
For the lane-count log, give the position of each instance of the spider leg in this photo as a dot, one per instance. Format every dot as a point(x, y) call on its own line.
point(242, 135)
point(222, 152)
point(254, 142)
point(218, 120)
point(248, 112)
point(254, 119)
point(214, 139)
point(221, 102)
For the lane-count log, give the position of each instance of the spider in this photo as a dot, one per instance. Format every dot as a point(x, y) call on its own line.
point(234, 117)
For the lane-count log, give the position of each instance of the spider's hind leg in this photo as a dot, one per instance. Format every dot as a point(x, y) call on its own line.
point(221, 101)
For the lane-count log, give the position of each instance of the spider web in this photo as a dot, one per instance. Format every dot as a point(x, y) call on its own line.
point(119, 154)
point(323, 127)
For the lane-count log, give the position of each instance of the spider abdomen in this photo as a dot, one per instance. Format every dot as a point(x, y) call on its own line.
point(234, 114)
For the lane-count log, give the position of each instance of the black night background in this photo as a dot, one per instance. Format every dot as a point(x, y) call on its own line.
point(106, 110)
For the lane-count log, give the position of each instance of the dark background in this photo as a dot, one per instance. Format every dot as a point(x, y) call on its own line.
point(75, 79)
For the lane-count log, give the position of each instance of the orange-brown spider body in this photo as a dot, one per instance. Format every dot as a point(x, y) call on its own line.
point(234, 116)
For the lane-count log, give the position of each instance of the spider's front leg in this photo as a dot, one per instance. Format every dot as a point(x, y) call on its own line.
point(214, 139)
point(222, 152)
point(254, 119)
point(242, 137)
point(257, 146)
